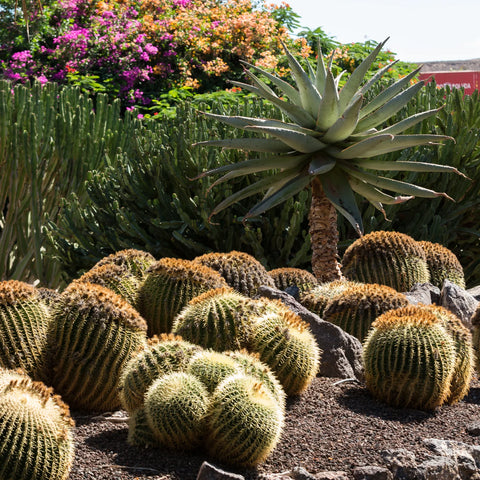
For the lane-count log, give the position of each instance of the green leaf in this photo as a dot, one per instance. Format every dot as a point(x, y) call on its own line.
point(338, 191)
point(249, 144)
point(360, 149)
point(374, 194)
point(345, 125)
point(321, 164)
point(328, 111)
point(321, 73)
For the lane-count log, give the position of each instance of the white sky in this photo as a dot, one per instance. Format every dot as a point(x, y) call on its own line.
point(419, 30)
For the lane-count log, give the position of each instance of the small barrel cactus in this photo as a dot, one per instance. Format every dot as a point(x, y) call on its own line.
point(356, 308)
point(443, 264)
point(409, 359)
point(24, 323)
point(219, 319)
point(240, 270)
point(94, 334)
point(250, 364)
point(36, 430)
point(388, 258)
point(115, 277)
point(212, 367)
point(293, 277)
point(245, 422)
point(164, 354)
point(284, 342)
point(168, 287)
point(317, 298)
point(134, 261)
point(176, 406)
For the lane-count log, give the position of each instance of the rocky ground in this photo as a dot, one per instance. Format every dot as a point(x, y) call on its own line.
point(332, 427)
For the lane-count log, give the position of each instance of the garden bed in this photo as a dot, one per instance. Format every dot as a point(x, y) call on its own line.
point(332, 426)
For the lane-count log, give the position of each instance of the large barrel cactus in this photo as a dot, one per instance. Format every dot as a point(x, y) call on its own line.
point(176, 406)
point(293, 277)
point(241, 271)
point(134, 261)
point(164, 354)
point(169, 285)
point(409, 359)
point(284, 342)
point(220, 319)
point(443, 265)
point(245, 422)
point(36, 430)
point(357, 307)
point(24, 322)
point(94, 334)
point(388, 258)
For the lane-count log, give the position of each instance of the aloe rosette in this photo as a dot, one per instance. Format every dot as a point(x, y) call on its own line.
point(331, 133)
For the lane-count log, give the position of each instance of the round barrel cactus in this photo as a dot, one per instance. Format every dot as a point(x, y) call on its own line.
point(241, 271)
point(36, 430)
point(219, 319)
point(24, 323)
point(115, 277)
point(443, 265)
point(168, 287)
point(388, 258)
point(134, 261)
point(293, 277)
point(356, 308)
point(409, 359)
point(94, 333)
point(176, 406)
point(164, 354)
point(140, 433)
point(284, 342)
point(245, 422)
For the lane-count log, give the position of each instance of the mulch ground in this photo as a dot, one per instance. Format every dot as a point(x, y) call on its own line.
point(331, 427)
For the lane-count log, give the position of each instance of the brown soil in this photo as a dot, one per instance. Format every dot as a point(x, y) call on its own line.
point(331, 427)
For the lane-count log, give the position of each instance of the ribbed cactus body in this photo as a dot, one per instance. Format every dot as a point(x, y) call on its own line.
point(285, 343)
point(140, 433)
point(317, 298)
point(176, 406)
point(164, 354)
point(251, 365)
point(356, 308)
point(219, 319)
point(168, 287)
point(24, 323)
point(241, 271)
point(293, 277)
point(36, 438)
point(409, 359)
point(245, 422)
point(94, 334)
point(465, 357)
point(388, 258)
point(115, 277)
point(134, 261)
point(442, 264)
point(212, 367)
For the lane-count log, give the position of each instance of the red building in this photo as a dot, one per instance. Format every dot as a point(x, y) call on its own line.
point(468, 79)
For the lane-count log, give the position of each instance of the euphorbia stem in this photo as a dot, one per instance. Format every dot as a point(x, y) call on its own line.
point(324, 236)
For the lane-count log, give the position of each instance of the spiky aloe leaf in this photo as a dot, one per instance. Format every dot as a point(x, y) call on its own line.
point(328, 111)
point(345, 125)
point(249, 144)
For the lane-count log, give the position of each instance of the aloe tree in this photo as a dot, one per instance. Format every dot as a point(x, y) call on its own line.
point(328, 142)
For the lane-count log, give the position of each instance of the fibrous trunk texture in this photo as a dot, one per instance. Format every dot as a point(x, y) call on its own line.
point(324, 236)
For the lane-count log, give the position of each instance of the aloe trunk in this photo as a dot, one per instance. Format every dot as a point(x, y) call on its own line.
point(323, 236)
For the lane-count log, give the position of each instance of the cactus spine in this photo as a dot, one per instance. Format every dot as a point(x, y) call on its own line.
point(409, 359)
point(35, 430)
point(241, 271)
point(219, 319)
point(245, 422)
point(169, 285)
point(176, 406)
point(24, 323)
point(442, 264)
point(285, 343)
point(293, 277)
point(388, 258)
point(164, 354)
point(94, 334)
point(357, 307)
